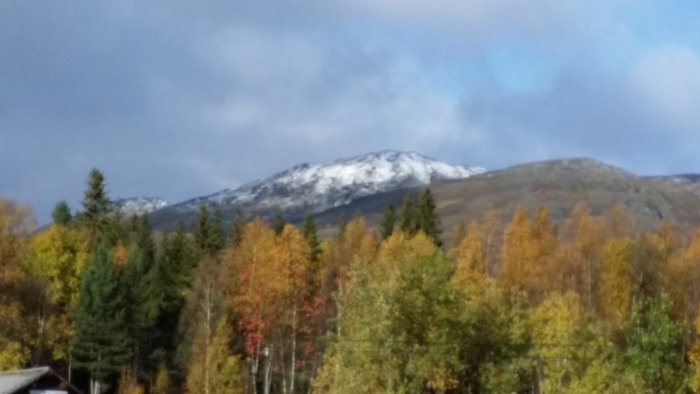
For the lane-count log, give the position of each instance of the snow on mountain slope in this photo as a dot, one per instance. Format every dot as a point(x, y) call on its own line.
point(317, 187)
point(140, 205)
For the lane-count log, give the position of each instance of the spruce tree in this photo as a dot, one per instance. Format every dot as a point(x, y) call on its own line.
point(388, 222)
point(217, 230)
point(179, 256)
point(408, 216)
point(208, 232)
point(61, 213)
point(279, 223)
point(237, 227)
point(311, 237)
point(145, 283)
point(174, 268)
point(101, 344)
point(96, 202)
point(202, 228)
point(428, 219)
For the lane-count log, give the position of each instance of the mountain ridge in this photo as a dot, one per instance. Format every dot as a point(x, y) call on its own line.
point(557, 185)
point(462, 192)
point(316, 187)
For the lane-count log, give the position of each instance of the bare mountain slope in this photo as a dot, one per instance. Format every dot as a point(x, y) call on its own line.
point(558, 185)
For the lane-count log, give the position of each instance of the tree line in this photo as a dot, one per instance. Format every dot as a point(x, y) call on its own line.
point(587, 304)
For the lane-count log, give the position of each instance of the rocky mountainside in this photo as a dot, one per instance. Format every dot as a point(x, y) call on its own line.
point(319, 187)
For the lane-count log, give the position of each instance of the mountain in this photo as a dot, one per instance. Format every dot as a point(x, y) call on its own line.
point(364, 185)
point(140, 205)
point(557, 184)
point(322, 186)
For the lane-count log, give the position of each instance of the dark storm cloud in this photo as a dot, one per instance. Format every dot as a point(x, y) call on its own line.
point(180, 99)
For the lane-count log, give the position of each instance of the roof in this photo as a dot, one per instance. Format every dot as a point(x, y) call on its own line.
point(12, 381)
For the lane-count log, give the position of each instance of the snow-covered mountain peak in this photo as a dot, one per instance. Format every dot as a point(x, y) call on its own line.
point(374, 170)
point(316, 187)
point(140, 205)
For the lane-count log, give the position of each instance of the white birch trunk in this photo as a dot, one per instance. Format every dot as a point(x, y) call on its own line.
point(292, 367)
point(269, 353)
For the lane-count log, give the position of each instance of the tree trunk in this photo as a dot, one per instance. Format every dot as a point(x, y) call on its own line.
point(339, 308)
point(254, 365)
point(95, 386)
point(292, 367)
point(268, 354)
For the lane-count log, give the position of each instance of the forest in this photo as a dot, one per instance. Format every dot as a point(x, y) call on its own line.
point(521, 304)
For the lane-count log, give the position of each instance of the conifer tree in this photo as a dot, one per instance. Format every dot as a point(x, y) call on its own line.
point(61, 213)
point(217, 230)
point(96, 202)
point(237, 227)
point(208, 233)
point(388, 222)
point(178, 256)
point(202, 229)
point(311, 237)
point(279, 223)
point(174, 268)
point(428, 219)
point(101, 344)
point(145, 284)
point(408, 216)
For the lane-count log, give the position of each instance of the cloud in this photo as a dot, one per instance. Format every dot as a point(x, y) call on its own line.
point(180, 99)
point(552, 22)
point(668, 77)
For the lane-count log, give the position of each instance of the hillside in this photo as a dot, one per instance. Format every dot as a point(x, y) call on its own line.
point(365, 185)
point(558, 185)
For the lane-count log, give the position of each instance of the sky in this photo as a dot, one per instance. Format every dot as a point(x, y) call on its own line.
point(179, 99)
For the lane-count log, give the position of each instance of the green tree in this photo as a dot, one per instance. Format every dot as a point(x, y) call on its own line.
point(101, 344)
point(279, 223)
point(396, 331)
point(428, 218)
point(96, 201)
point(208, 234)
point(388, 223)
point(179, 256)
point(217, 229)
point(311, 237)
point(654, 346)
point(174, 271)
point(237, 226)
point(145, 283)
point(61, 213)
point(408, 216)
